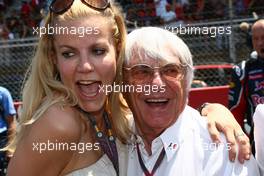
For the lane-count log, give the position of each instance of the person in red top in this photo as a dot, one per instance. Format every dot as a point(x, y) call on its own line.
point(25, 9)
point(247, 84)
point(34, 3)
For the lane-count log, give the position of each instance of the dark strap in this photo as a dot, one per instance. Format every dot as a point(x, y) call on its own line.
point(109, 148)
point(157, 163)
point(107, 143)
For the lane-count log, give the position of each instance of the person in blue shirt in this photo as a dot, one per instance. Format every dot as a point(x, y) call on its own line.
point(7, 115)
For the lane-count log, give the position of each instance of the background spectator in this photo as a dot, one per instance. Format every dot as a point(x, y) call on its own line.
point(16, 29)
point(3, 29)
point(214, 9)
point(7, 116)
point(256, 6)
point(246, 32)
point(246, 87)
point(8, 3)
point(165, 11)
point(2, 5)
point(240, 8)
point(25, 9)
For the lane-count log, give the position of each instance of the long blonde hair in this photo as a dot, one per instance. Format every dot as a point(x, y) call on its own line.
point(41, 83)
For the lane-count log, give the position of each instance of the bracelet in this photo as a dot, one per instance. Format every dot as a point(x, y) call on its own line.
point(201, 107)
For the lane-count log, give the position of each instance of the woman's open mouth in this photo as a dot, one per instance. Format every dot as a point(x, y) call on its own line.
point(89, 89)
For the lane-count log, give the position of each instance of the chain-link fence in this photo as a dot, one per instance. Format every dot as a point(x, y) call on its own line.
point(150, 12)
point(212, 75)
point(218, 42)
point(14, 59)
point(206, 47)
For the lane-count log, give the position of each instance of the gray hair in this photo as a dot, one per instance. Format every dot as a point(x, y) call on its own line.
point(153, 42)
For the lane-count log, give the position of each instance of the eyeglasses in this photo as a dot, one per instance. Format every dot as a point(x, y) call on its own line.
point(141, 73)
point(61, 6)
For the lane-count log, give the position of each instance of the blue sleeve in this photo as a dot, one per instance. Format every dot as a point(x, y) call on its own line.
point(235, 87)
point(7, 103)
point(236, 97)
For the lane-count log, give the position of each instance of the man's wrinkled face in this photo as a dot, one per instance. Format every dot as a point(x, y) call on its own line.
point(258, 38)
point(156, 110)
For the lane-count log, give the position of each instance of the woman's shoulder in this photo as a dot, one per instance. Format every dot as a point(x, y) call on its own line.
point(45, 142)
point(60, 121)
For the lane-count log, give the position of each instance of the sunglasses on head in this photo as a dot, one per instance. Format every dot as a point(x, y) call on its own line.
point(142, 73)
point(61, 6)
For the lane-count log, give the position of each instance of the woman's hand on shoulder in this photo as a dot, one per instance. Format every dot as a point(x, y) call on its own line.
point(220, 119)
point(43, 148)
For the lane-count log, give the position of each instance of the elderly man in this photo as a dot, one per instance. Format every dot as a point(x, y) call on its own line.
point(170, 138)
point(247, 85)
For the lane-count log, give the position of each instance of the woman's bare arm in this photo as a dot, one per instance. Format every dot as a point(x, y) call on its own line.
point(220, 119)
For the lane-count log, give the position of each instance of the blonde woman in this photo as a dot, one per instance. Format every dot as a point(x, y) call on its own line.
point(65, 125)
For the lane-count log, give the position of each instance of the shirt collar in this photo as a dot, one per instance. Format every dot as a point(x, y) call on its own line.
point(172, 137)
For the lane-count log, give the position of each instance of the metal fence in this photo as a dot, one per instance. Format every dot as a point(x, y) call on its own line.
point(150, 12)
point(212, 75)
point(210, 48)
point(225, 42)
point(14, 59)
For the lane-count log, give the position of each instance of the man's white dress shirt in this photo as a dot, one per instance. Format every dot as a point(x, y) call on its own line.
point(259, 135)
point(189, 152)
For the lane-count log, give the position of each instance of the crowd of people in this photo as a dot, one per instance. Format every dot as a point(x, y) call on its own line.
point(20, 23)
point(158, 12)
point(7, 125)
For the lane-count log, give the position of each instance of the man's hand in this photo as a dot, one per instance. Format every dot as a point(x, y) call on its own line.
point(220, 119)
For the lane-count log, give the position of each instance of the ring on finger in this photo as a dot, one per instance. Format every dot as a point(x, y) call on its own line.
point(237, 135)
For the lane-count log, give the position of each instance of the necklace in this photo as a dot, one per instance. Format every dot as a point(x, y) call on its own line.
point(107, 142)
